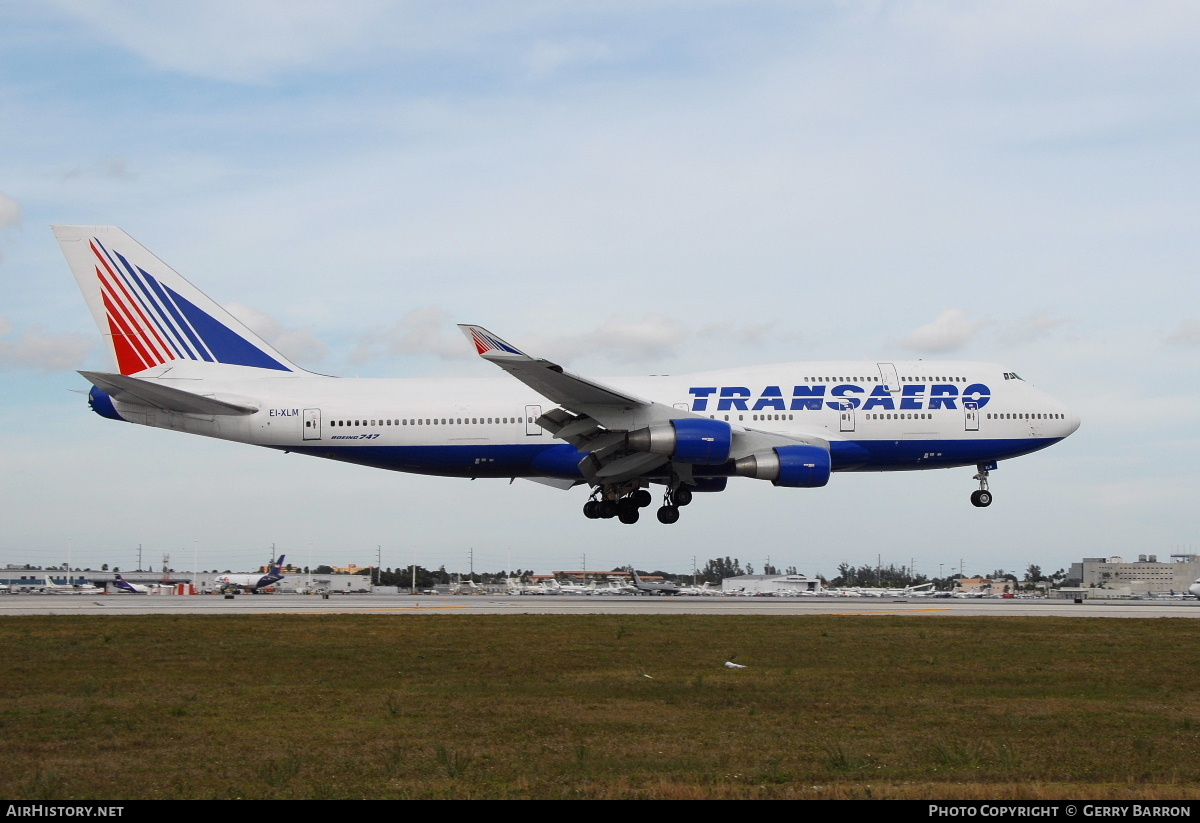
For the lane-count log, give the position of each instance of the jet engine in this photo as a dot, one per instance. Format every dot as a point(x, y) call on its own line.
point(102, 404)
point(688, 440)
point(803, 467)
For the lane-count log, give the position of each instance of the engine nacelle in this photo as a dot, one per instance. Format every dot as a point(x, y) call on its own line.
point(688, 440)
point(805, 467)
point(102, 404)
point(708, 484)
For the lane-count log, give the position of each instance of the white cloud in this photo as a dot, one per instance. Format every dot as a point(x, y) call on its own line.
point(431, 330)
point(1031, 328)
point(298, 345)
point(109, 168)
point(230, 39)
point(748, 334)
point(37, 349)
point(547, 58)
point(1187, 333)
point(652, 338)
point(950, 331)
point(428, 330)
point(10, 211)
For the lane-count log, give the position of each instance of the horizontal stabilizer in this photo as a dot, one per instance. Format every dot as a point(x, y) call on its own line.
point(152, 393)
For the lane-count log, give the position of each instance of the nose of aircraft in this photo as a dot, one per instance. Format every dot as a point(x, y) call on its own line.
point(1070, 422)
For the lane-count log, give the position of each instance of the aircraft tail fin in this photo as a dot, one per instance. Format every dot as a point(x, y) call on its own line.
point(148, 313)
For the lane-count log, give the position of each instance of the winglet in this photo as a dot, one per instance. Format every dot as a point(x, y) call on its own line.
point(489, 346)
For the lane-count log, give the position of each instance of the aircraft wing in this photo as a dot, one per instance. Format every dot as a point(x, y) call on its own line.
point(597, 419)
point(548, 379)
point(150, 393)
point(594, 418)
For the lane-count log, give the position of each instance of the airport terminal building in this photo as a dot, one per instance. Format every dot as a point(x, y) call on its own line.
point(1143, 577)
point(774, 584)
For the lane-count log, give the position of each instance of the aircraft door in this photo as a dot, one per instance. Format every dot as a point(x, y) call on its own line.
point(532, 429)
point(888, 376)
point(971, 415)
point(312, 424)
point(846, 417)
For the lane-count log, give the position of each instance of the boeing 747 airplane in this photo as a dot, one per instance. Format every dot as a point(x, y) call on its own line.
point(184, 363)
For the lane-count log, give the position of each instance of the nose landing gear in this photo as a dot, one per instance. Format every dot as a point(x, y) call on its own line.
point(983, 497)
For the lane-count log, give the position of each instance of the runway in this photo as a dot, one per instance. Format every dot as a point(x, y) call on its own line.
point(401, 605)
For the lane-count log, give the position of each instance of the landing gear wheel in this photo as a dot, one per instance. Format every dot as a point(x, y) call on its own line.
point(591, 510)
point(642, 497)
point(982, 498)
point(668, 514)
point(629, 515)
point(681, 496)
point(608, 508)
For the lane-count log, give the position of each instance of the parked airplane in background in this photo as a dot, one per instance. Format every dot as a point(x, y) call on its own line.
point(185, 363)
point(124, 585)
point(1195, 588)
point(77, 588)
point(517, 587)
point(252, 582)
point(653, 587)
point(572, 588)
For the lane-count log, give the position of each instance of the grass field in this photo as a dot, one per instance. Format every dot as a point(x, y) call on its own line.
point(437, 706)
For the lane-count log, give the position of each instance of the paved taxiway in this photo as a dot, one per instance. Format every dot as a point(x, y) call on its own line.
point(13, 605)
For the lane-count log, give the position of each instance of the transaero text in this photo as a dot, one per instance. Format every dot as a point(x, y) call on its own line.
point(839, 397)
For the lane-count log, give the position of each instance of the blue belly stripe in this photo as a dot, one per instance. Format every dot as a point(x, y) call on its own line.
point(562, 460)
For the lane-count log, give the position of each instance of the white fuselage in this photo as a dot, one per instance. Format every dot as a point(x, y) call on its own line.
point(903, 415)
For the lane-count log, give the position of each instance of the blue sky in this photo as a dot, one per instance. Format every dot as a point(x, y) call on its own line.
point(626, 188)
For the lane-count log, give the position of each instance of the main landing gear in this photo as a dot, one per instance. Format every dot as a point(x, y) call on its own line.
point(673, 500)
point(625, 503)
point(982, 498)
